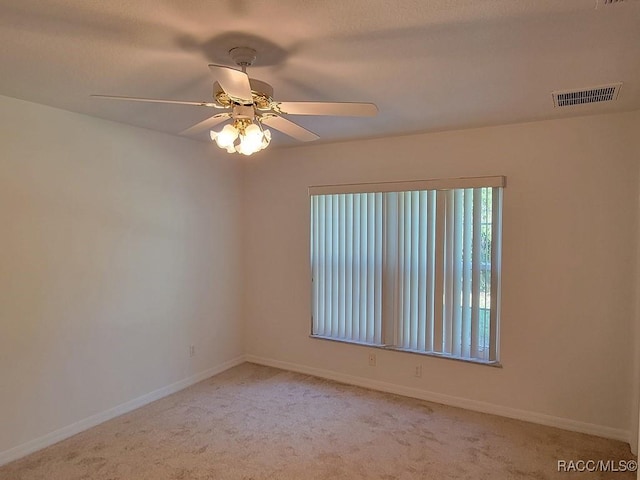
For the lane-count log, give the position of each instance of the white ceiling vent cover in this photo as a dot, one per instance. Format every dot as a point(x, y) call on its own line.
point(606, 3)
point(602, 93)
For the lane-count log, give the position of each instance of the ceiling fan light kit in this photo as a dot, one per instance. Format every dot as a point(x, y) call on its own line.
point(242, 137)
point(249, 104)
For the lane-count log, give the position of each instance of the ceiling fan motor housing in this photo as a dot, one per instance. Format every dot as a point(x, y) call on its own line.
point(243, 111)
point(261, 92)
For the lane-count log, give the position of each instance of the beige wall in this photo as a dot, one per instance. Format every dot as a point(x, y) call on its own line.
point(119, 249)
point(568, 305)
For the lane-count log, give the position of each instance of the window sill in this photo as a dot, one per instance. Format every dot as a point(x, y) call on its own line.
point(495, 364)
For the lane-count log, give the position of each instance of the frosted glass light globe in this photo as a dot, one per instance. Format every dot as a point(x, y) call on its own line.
point(227, 136)
point(253, 130)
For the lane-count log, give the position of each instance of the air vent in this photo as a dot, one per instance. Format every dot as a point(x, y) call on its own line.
point(606, 3)
point(602, 93)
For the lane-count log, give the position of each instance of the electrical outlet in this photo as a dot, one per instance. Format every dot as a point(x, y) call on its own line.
point(192, 350)
point(418, 371)
point(372, 359)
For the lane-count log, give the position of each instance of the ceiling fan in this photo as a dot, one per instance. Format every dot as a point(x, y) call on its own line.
point(250, 106)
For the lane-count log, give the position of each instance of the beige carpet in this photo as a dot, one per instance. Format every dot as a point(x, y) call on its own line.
point(255, 422)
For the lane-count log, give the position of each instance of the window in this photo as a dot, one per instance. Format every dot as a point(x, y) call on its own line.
point(413, 266)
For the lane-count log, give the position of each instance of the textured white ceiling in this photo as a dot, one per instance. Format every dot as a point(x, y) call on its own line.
point(428, 65)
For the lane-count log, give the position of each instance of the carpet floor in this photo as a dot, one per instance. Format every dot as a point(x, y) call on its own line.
point(258, 423)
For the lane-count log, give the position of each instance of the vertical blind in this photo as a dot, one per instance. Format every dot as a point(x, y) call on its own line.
point(346, 241)
point(415, 270)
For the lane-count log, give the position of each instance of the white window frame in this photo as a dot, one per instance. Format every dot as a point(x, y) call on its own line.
point(388, 288)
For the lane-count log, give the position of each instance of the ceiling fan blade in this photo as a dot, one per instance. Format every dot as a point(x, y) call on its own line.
point(206, 124)
point(289, 128)
point(327, 108)
point(235, 83)
point(157, 100)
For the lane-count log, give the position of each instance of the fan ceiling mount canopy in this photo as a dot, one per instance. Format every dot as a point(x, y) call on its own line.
point(250, 106)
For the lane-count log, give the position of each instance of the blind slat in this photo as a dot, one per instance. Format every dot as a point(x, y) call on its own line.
point(475, 279)
point(439, 278)
point(328, 271)
point(447, 321)
point(379, 245)
point(466, 276)
point(348, 245)
point(335, 271)
point(496, 247)
point(456, 300)
point(342, 268)
point(422, 285)
point(364, 266)
point(407, 272)
point(401, 276)
point(415, 266)
point(431, 270)
point(369, 321)
point(355, 319)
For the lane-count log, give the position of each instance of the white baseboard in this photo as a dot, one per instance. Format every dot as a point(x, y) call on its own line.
point(478, 406)
point(77, 427)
